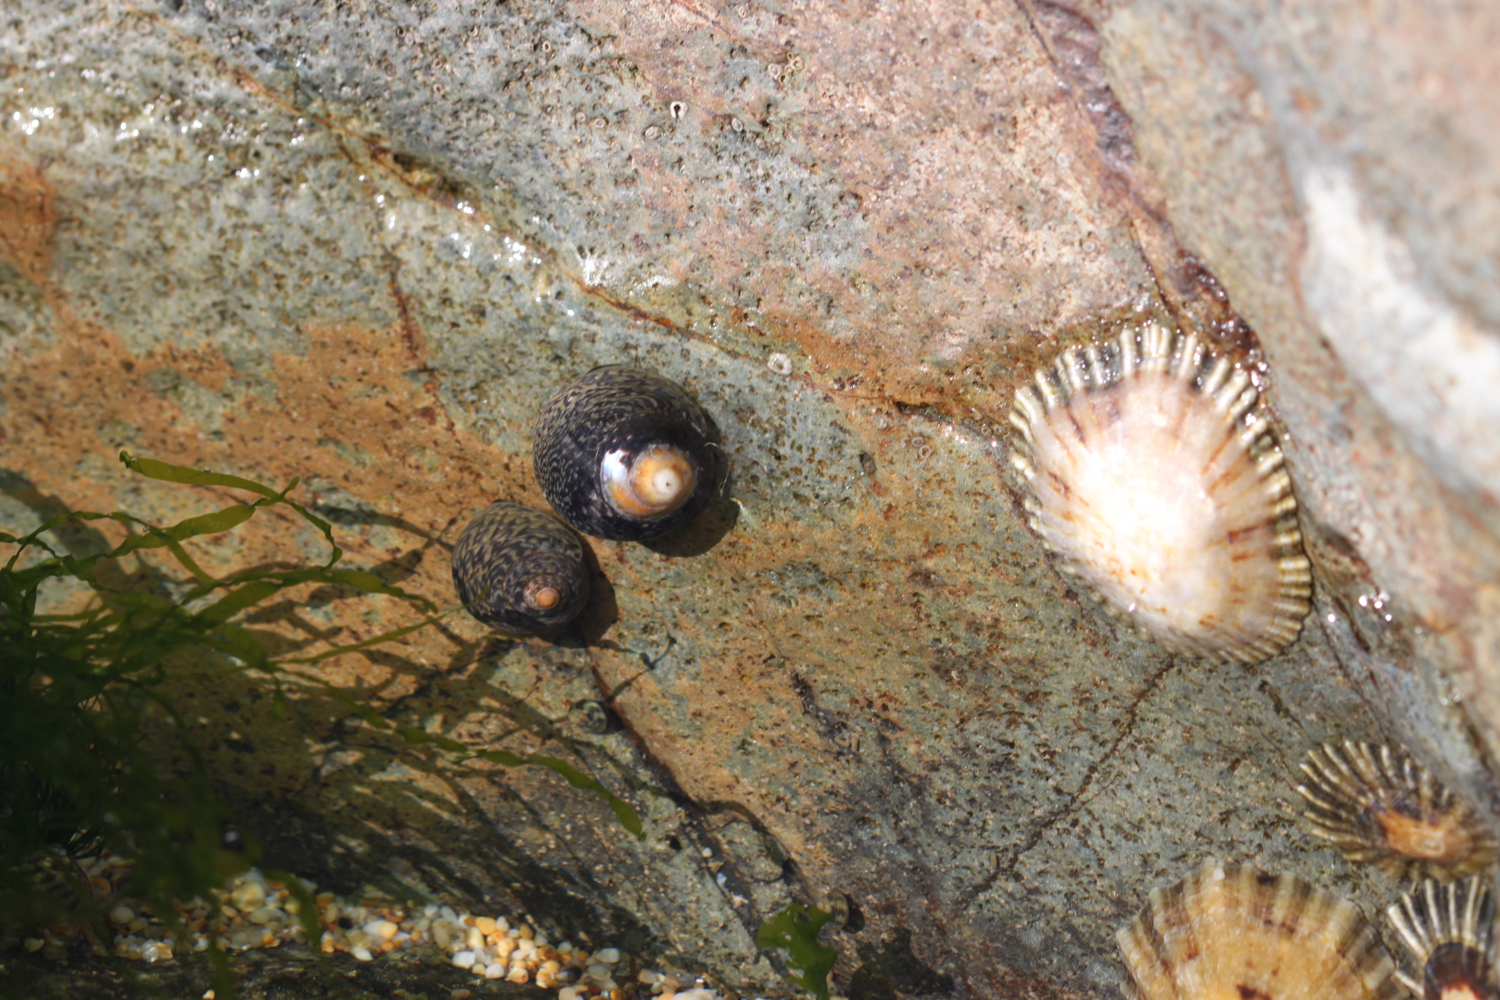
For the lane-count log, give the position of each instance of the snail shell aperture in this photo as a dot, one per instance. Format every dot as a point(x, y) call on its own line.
point(625, 454)
point(520, 570)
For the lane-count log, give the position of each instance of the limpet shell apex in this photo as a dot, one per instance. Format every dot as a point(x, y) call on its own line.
point(1450, 931)
point(1150, 471)
point(1379, 806)
point(1229, 932)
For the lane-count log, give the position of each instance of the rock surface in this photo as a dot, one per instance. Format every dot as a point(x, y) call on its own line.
point(364, 243)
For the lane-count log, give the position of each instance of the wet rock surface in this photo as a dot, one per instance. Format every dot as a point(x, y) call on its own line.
point(364, 245)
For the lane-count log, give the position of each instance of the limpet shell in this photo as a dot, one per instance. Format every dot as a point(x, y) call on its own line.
point(1150, 471)
point(1229, 932)
point(1379, 806)
point(1450, 930)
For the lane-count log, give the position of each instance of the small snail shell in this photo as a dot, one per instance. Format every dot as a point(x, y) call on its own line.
point(520, 570)
point(625, 454)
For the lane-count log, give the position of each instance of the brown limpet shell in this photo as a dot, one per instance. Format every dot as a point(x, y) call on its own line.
point(1380, 807)
point(1230, 932)
point(1151, 472)
point(1450, 931)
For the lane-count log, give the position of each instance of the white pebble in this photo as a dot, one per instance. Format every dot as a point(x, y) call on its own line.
point(265, 915)
point(150, 951)
point(464, 959)
point(362, 953)
point(567, 993)
point(496, 970)
point(597, 971)
point(248, 896)
point(122, 914)
point(609, 956)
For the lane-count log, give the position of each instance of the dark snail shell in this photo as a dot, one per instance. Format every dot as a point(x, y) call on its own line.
point(520, 570)
point(625, 454)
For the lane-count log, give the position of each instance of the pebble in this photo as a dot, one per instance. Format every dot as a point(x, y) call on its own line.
point(253, 912)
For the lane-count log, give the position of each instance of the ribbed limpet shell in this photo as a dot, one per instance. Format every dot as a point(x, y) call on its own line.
point(1450, 930)
point(1152, 474)
point(1379, 806)
point(1229, 932)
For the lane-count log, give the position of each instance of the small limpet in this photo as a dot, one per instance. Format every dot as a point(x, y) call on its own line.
point(1229, 932)
point(1377, 805)
point(626, 454)
point(1152, 474)
point(520, 570)
point(1450, 930)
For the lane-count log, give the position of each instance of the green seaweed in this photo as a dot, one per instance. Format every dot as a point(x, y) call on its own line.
point(80, 691)
point(794, 929)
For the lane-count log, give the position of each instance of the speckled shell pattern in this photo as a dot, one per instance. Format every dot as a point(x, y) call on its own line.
point(508, 546)
point(1230, 931)
point(628, 409)
point(1149, 469)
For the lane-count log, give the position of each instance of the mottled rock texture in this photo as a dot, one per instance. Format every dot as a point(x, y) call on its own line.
point(363, 242)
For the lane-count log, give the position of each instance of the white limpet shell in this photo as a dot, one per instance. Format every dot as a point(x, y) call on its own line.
point(1379, 806)
point(1450, 930)
point(1229, 932)
point(1153, 475)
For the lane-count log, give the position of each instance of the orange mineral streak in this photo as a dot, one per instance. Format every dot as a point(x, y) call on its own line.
point(343, 414)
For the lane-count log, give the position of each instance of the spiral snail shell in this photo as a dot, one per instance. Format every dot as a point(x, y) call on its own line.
point(520, 570)
point(625, 454)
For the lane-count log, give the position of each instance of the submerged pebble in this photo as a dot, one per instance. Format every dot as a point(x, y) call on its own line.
point(256, 912)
